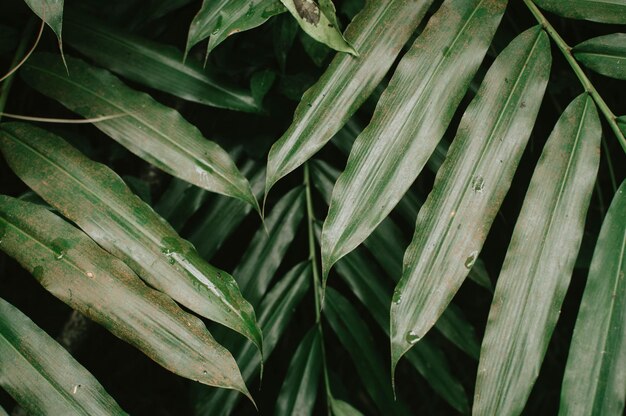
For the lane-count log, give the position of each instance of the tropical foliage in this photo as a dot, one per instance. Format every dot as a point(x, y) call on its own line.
point(424, 213)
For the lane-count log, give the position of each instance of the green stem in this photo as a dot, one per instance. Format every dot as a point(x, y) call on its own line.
point(19, 54)
point(586, 83)
point(316, 279)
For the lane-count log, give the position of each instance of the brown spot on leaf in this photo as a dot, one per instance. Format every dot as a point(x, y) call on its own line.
point(308, 10)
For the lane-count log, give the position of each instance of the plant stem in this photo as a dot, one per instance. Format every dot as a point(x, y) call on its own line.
point(586, 83)
point(19, 53)
point(316, 279)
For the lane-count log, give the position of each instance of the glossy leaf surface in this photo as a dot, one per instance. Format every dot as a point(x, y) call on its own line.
point(95, 198)
point(410, 119)
point(156, 133)
point(471, 184)
point(41, 375)
point(155, 65)
point(605, 55)
point(612, 11)
point(379, 31)
point(539, 262)
point(595, 380)
point(76, 270)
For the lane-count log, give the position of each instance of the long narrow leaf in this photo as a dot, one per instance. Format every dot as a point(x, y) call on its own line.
point(42, 376)
point(471, 184)
point(152, 131)
point(51, 12)
point(605, 54)
point(612, 11)
point(379, 31)
point(95, 198)
point(595, 378)
point(411, 116)
point(76, 270)
point(154, 65)
point(539, 262)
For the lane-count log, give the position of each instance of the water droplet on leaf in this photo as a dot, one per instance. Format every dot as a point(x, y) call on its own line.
point(412, 337)
point(471, 259)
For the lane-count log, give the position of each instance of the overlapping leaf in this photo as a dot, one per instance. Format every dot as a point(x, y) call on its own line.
point(152, 131)
point(605, 54)
point(594, 382)
point(379, 31)
point(51, 12)
point(76, 270)
point(152, 64)
point(539, 262)
point(42, 376)
point(612, 11)
point(410, 119)
point(95, 198)
point(471, 184)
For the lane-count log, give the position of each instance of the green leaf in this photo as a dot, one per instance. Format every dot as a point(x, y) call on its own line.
point(357, 339)
point(471, 184)
point(612, 11)
point(154, 65)
point(283, 35)
point(42, 376)
point(76, 270)
point(410, 119)
point(621, 122)
point(594, 382)
point(539, 262)
point(378, 32)
point(156, 133)
point(269, 245)
point(99, 202)
point(318, 20)
point(299, 390)
point(275, 313)
point(605, 54)
point(218, 19)
point(179, 202)
point(341, 408)
point(51, 12)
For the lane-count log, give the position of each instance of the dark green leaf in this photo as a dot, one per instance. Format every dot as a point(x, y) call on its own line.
point(605, 54)
point(299, 390)
point(594, 382)
point(95, 198)
point(378, 32)
point(471, 184)
point(180, 201)
point(51, 12)
point(283, 35)
point(76, 270)
point(410, 119)
point(612, 11)
point(42, 376)
point(152, 131)
point(539, 262)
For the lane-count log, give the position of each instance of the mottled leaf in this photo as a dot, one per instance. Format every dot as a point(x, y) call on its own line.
point(42, 376)
point(611, 11)
point(539, 262)
point(605, 54)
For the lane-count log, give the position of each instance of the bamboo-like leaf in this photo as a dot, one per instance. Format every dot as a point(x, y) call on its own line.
point(410, 119)
point(594, 382)
point(539, 262)
point(471, 184)
point(341, 408)
point(219, 19)
point(180, 201)
point(155, 133)
point(155, 65)
point(76, 270)
point(275, 313)
point(51, 12)
point(269, 246)
point(95, 198)
point(42, 376)
point(299, 390)
point(378, 32)
point(612, 11)
point(605, 54)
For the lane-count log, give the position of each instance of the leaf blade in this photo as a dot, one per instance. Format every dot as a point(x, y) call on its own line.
point(593, 10)
point(605, 55)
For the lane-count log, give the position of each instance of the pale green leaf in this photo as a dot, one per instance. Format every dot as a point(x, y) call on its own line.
point(99, 202)
point(76, 270)
point(603, 11)
point(595, 376)
point(42, 376)
point(156, 133)
point(299, 390)
point(410, 119)
point(605, 55)
point(341, 408)
point(471, 184)
point(539, 262)
point(379, 31)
